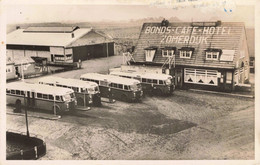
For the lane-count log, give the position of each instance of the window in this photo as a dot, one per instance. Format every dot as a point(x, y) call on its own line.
point(149, 53)
point(149, 80)
point(12, 91)
point(154, 81)
point(22, 93)
point(69, 56)
point(120, 86)
point(229, 78)
point(126, 87)
point(212, 55)
point(160, 82)
point(59, 57)
point(8, 91)
point(45, 96)
point(167, 53)
point(75, 89)
point(57, 98)
point(144, 80)
point(114, 85)
point(200, 76)
point(39, 95)
point(51, 97)
point(17, 92)
point(185, 54)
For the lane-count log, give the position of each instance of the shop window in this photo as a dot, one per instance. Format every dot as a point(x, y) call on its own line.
point(200, 76)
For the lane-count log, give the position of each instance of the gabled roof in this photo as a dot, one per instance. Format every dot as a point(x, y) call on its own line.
point(51, 29)
point(49, 37)
point(227, 36)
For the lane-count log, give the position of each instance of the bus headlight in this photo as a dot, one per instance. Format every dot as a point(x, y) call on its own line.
point(134, 94)
point(67, 104)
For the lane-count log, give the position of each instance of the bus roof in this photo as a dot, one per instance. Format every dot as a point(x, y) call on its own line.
point(38, 88)
point(142, 75)
point(110, 78)
point(68, 82)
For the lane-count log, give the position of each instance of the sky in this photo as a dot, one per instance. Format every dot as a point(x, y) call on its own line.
point(94, 13)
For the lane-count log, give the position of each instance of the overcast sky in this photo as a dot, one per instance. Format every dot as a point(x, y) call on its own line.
point(93, 13)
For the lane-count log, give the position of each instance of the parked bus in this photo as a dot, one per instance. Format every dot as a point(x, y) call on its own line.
point(87, 93)
point(40, 97)
point(160, 84)
point(120, 88)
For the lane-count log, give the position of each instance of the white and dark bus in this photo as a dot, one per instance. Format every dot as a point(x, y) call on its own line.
point(87, 93)
point(120, 88)
point(39, 96)
point(160, 84)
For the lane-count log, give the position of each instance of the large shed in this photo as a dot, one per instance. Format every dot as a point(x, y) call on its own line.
point(208, 55)
point(60, 45)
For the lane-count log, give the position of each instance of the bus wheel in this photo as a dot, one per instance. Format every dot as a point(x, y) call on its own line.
point(80, 102)
point(58, 111)
point(18, 106)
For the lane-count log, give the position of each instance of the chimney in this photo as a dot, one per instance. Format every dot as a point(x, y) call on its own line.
point(72, 35)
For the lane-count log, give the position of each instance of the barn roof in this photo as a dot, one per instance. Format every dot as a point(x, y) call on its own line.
point(226, 36)
point(43, 36)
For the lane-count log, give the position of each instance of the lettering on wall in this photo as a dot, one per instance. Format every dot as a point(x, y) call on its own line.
point(182, 35)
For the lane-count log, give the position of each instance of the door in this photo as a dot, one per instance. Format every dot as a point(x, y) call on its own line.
point(52, 58)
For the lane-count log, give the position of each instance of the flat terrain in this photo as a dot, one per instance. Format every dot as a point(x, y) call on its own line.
point(186, 125)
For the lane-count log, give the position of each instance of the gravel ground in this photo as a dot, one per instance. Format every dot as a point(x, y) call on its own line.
point(187, 125)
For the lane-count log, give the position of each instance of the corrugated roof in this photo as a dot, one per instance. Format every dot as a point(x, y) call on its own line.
point(230, 40)
point(19, 37)
point(51, 29)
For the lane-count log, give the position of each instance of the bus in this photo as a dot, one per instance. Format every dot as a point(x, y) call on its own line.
point(87, 93)
point(39, 96)
point(120, 88)
point(160, 84)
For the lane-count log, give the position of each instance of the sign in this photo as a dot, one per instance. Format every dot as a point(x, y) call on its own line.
point(188, 35)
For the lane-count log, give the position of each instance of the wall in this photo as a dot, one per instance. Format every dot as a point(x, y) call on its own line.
point(92, 51)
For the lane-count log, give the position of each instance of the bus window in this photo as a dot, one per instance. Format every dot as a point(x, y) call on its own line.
point(17, 92)
point(155, 81)
point(83, 90)
point(144, 80)
point(96, 89)
point(58, 85)
point(12, 91)
point(75, 89)
point(97, 82)
point(8, 91)
point(57, 98)
point(51, 97)
point(39, 95)
point(126, 87)
point(120, 86)
point(64, 86)
point(114, 85)
point(160, 82)
point(22, 93)
point(149, 80)
point(45, 96)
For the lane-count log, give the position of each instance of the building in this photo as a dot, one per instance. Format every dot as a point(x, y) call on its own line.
point(19, 66)
point(60, 45)
point(206, 55)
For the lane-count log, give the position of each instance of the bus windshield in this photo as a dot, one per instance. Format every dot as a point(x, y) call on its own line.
point(168, 81)
point(67, 97)
point(136, 87)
